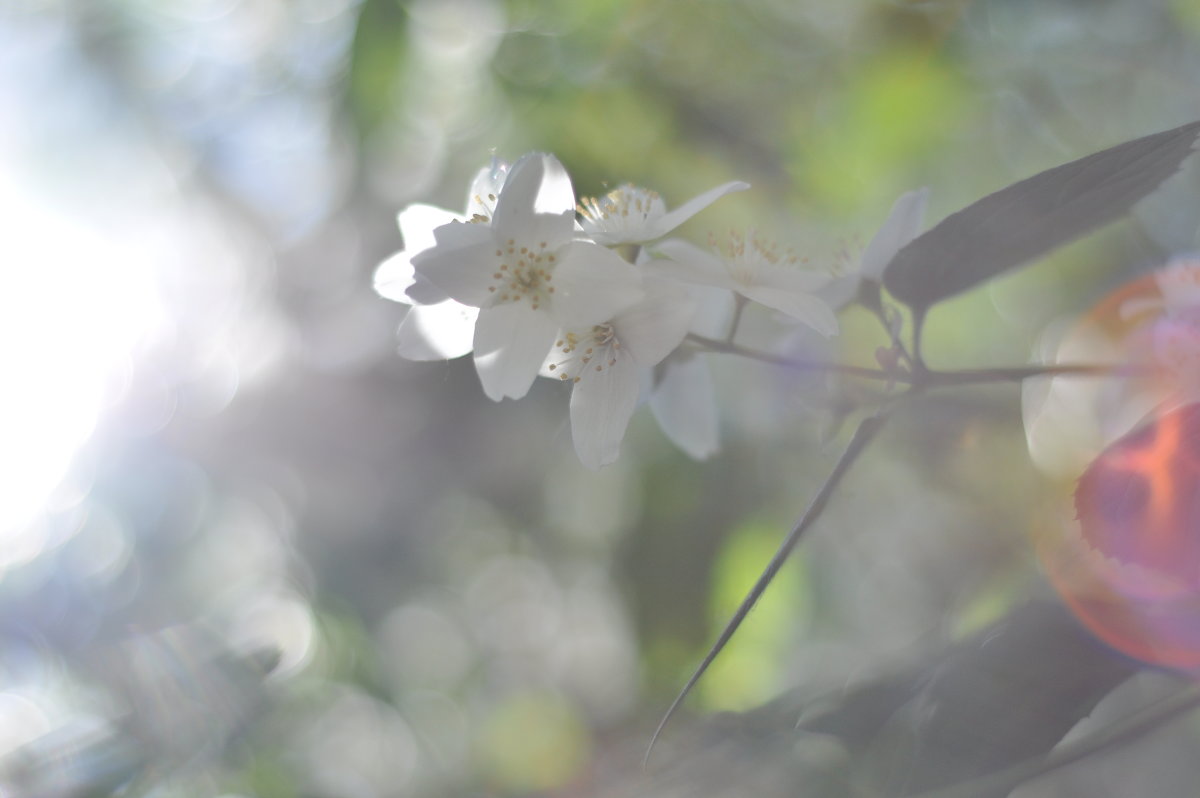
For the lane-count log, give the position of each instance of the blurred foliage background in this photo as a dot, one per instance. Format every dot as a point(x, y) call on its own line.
point(245, 550)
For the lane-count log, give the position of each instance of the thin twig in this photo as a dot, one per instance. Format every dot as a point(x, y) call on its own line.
point(928, 378)
point(918, 323)
point(1020, 373)
point(723, 347)
point(862, 436)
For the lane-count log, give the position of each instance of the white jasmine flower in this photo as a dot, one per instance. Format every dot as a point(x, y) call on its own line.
point(436, 327)
point(633, 215)
point(902, 225)
point(605, 362)
point(527, 273)
point(757, 270)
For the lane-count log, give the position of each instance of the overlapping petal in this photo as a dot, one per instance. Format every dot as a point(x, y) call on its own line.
point(605, 362)
point(684, 404)
point(901, 226)
point(460, 263)
point(687, 210)
point(756, 273)
point(436, 327)
point(395, 277)
point(654, 328)
point(634, 215)
point(440, 331)
point(511, 342)
point(592, 284)
point(805, 307)
point(683, 260)
point(601, 405)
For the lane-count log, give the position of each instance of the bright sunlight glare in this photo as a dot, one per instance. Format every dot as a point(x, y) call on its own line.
point(75, 305)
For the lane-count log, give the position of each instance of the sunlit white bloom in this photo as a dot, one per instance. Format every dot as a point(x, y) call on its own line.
point(633, 215)
point(528, 274)
point(436, 327)
point(901, 227)
point(757, 270)
point(605, 362)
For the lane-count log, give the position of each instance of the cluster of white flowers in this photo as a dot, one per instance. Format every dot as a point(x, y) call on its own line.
point(533, 284)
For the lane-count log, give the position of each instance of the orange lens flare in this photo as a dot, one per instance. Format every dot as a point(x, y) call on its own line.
point(1137, 504)
point(1128, 563)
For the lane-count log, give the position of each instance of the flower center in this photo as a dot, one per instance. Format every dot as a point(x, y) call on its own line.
point(623, 209)
point(592, 351)
point(523, 274)
point(847, 256)
point(746, 255)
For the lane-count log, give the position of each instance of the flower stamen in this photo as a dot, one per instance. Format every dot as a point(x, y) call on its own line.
point(600, 344)
point(523, 273)
point(622, 210)
point(745, 255)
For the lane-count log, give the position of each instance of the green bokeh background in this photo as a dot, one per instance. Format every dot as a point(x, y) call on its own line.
point(465, 609)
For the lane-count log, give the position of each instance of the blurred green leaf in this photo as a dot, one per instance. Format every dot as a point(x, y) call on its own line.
point(897, 110)
point(377, 62)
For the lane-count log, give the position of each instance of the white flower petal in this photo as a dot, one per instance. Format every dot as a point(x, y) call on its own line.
point(787, 278)
point(437, 332)
point(461, 264)
point(901, 227)
point(485, 189)
point(592, 284)
point(511, 342)
point(417, 223)
point(520, 190)
point(840, 291)
point(685, 407)
point(804, 307)
point(536, 185)
point(688, 262)
point(625, 215)
point(653, 328)
point(715, 310)
point(551, 229)
point(555, 194)
point(669, 221)
point(423, 292)
point(394, 276)
point(601, 405)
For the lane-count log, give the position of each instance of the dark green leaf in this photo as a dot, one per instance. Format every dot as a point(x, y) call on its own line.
point(1030, 218)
